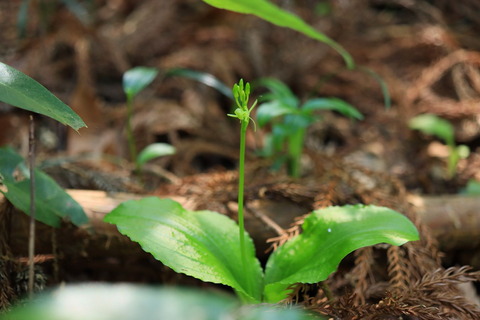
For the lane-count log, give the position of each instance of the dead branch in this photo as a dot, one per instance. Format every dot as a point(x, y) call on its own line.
point(453, 219)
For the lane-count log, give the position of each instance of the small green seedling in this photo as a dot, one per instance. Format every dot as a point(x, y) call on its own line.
point(290, 120)
point(433, 125)
point(134, 81)
point(212, 247)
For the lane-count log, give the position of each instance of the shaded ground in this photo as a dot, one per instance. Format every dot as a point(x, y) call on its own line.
point(427, 52)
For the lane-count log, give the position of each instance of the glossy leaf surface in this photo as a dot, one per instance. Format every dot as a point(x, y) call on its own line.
point(273, 14)
point(202, 244)
point(328, 236)
point(19, 90)
point(137, 79)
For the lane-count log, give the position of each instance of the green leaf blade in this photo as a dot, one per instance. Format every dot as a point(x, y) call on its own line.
point(329, 235)
point(202, 244)
point(137, 79)
point(267, 111)
point(433, 125)
point(279, 91)
point(202, 77)
point(273, 14)
point(19, 90)
point(153, 151)
point(333, 104)
point(52, 202)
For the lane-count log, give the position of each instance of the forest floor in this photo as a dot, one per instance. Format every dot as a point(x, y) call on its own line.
point(426, 52)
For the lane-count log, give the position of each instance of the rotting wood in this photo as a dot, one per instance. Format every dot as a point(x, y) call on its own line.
point(453, 219)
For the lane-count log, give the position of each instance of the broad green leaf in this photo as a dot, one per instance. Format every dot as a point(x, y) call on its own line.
point(433, 125)
point(334, 104)
point(328, 236)
point(202, 77)
point(133, 302)
point(137, 79)
point(202, 244)
point(153, 151)
point(273, 14)
point(272, 109)
point(52, 202)
point(19, 90)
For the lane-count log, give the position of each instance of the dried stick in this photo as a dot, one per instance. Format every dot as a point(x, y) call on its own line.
point(31, 239)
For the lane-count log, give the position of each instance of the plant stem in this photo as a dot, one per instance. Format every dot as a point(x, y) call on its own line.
point(453, 157)
point(31, 239)
point(131, 141)
point(241, 185)
point(295, 148)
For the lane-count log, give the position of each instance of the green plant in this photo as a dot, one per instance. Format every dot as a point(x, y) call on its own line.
point(201, 77)
point(241, 94)
point(37, 195)
point(153, 151)
point(52, 202)
point(273, 14)
point(134, 81)
point(433, 125)
point(213, 248)
point(19, 90)
point(290, 120)
point(137, 79)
